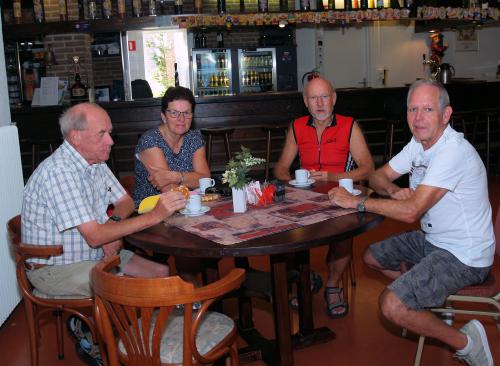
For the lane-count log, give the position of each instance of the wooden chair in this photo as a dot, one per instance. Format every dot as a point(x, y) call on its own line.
point(37, 303)
point(141, 323)
point(484, 293)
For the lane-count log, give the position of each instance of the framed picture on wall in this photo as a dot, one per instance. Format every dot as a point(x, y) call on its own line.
point(467, 40)
point(102, 94)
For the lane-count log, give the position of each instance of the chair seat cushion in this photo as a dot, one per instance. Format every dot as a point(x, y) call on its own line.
point(212, 330)
point(43, 295)
point(485, 289)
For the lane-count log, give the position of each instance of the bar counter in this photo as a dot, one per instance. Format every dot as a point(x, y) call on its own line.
point(247, 114)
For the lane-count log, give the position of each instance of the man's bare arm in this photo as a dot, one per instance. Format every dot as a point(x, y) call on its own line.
point(282, 167)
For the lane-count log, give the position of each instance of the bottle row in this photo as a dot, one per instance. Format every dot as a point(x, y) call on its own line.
point(88, 9)
point(257, 61)
point(218, 61)
point(256, 78)
point(213, 80)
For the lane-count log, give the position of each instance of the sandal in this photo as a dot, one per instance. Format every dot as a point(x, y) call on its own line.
point(341, 304)
point(316, 284)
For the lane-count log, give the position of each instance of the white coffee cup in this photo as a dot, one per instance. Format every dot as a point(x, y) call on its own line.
point(194, 203)
point(347, 184)
point(206, 183)
point(301, 175)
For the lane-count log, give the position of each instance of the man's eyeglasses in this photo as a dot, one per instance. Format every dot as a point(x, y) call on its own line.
point(315, 99)
point(176, 114)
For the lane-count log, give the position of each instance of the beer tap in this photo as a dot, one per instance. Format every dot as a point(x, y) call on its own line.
point(433, 65)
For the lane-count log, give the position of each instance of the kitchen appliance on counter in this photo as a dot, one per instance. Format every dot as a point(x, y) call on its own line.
point(224, 71)
point(446, 72)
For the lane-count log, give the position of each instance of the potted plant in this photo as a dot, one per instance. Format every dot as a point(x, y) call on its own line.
point(236, 177)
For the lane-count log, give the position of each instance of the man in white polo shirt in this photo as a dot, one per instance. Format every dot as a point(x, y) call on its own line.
point(448, 193)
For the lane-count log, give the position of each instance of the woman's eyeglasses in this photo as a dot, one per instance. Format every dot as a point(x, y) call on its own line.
point(176, 114)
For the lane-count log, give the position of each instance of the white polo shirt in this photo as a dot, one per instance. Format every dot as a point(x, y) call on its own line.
point(460, 222)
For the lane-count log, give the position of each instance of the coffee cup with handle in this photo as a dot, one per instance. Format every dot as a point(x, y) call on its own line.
point(302, 176)
point(194, 203)
point(347, 184)
point(206, 183)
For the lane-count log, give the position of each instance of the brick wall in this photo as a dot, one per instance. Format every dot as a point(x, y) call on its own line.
point(106, 69)
point(65, 46)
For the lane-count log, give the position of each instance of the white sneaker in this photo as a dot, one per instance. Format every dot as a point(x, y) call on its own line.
point(480, 354)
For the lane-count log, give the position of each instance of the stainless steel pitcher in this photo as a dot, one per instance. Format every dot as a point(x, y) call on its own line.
point(446, 72)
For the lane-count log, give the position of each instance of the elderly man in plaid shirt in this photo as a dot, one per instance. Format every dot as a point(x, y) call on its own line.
point(65, 202)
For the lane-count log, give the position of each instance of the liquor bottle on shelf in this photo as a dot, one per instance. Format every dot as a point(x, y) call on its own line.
point(363, 4)
point(92, 9)
point(176, 75)
point(121, 9)
point(78, 91)
point(38, 11)
point(203, 40)
point(81, 10)
point(347, 5)
point(242, 6)
point(152, 8)
point(63, 10)
point(197, 40)
point(263, 6)
point(136, 8)
point(198, 6)
point(304, 5)
point(107, 9)
point(221, 6)
point(380, 4)
point(283, 5)
point(220, 39)
point(18, 17)
point(331, 4)
point(178, 6)
point(394, 4)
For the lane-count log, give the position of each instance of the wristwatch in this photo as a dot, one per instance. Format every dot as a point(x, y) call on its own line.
point(361, 205)
point(115, 218)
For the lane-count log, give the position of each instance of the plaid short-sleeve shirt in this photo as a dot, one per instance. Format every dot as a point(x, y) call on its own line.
point(66, 191)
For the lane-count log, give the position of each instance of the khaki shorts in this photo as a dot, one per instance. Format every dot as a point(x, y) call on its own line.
point(69, 280)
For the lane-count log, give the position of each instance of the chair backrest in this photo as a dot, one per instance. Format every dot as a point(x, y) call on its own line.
point(137, 310)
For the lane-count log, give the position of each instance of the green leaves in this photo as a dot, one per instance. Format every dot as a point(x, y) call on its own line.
point(238, 167)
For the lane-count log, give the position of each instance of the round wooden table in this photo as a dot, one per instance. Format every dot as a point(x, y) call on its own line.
point(174, 241)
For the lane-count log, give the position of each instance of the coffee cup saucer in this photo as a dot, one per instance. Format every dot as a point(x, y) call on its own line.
point(294, 183)
point(186, 212)
point(356, 192)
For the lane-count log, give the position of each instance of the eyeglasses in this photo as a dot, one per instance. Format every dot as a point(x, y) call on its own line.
point(176, 114)
point(315, 99)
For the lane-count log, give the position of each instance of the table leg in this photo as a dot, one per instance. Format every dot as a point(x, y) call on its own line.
point(307, 334)
point(281, 310)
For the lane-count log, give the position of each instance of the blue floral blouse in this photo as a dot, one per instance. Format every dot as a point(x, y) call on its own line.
point(181, 162)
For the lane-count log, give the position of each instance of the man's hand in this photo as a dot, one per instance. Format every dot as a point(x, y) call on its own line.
point(401, 194)
point(340, 197)
point(112, 248)
point(168, 204)
point(160, 178)
point(319, 175)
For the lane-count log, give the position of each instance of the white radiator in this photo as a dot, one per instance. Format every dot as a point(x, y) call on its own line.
point(11, 194)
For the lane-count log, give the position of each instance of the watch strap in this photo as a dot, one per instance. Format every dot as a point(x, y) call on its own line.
point(361, 205)
point(115, 218)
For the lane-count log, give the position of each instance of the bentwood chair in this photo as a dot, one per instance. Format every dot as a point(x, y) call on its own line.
point(482, 299)
point(37, 303)
point(141, 322)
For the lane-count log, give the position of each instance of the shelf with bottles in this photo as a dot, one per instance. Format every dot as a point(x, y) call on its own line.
point(213, 91)
point(332, 16)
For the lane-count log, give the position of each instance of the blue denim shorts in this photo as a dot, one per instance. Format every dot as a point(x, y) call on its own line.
point(436, 273)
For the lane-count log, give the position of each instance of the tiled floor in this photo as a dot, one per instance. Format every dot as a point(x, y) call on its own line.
point(363, 337)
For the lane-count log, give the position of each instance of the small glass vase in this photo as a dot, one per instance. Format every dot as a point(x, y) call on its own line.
point(239, 200)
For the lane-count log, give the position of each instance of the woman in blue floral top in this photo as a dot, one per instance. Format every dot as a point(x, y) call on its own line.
point(170, 154)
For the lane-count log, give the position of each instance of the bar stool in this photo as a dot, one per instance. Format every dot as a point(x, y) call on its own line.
point(51, 144)
point(281, 128)
point(224, 132)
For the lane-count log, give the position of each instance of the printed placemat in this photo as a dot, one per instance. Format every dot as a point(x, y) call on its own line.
point(221, 225)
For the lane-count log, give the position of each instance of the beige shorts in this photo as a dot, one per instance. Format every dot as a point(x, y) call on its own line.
point(69, 280)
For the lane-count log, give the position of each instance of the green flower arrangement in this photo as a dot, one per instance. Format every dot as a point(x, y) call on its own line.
point(238, 167)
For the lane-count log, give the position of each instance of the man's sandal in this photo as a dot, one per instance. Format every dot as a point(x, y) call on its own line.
point(341, 304)
point(316, 284)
